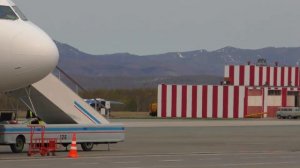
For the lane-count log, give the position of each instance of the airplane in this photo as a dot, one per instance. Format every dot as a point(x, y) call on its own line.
point(27, 58)
point(27, 53)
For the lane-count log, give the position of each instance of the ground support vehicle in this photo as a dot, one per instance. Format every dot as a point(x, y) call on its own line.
point(17, 135)
point(288, 113)
point(153, 109)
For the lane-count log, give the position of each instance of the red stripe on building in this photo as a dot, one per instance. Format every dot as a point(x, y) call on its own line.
point(204, 102)
point(282, 76)
point(283, 97)
point(297, 76)
point(252, 75)
point(242, 75)
point(260, 82)
point(236, 102)
point(164, 101)
point(174, 101)
point(246, 102)
point(290, 76)
point(231, 74)
point(184, 101)
point(215, 102)
point(268, 76)
point(263, 99)
point(275, 76)
point(194, 102)
point(225, 102)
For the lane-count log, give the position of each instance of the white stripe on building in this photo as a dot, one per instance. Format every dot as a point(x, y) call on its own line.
point(271, 76)
point(226, 71)
point(247, 75)
point(169, 100)
point(179, 101)
point(230, 101)
point(236, 75)
point(278, 76)
point(265, 90)
point(293, 76)
point(264, 78)
point(159, 100)
point(220, 101)
point(189, 102)
point(209, 101)
point(286, 76)
point(256, 76)
point(199, 102)
point(241, 101)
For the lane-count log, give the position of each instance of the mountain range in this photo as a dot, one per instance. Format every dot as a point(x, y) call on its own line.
point(125, 70)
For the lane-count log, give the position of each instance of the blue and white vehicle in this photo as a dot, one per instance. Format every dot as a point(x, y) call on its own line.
point(17, 135)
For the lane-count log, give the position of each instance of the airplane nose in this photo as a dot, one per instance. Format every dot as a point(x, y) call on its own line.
point(35, 51)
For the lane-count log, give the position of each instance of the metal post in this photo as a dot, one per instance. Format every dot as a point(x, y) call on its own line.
point(108, 113)
point(96, 105)
point(30, 101)
point(17, 112)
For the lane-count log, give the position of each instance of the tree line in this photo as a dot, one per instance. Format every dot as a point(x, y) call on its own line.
point(137, 100)
point(10, 103)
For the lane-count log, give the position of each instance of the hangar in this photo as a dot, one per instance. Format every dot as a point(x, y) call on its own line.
point(246, 90)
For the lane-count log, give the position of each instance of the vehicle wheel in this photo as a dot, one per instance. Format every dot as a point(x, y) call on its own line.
point(153, 114)
point(65, 145)
point(19, 145)
point(290, 117)
point(87, 146)
point(279, 117)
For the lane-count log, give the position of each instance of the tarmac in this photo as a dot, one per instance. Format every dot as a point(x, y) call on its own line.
point(158, 143)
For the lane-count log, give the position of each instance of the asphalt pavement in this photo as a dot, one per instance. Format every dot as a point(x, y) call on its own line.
point(184, 144)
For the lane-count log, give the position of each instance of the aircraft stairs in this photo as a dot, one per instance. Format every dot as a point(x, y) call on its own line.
point(55, 103)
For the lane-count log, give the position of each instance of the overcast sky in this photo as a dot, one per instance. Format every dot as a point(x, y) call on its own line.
point(157, 26)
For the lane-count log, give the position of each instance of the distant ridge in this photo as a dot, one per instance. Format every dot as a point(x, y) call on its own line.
point(192, 67)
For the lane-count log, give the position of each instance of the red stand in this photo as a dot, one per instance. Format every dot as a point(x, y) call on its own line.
point(40, 144)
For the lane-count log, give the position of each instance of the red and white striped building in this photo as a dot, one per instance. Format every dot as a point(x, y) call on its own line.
point(186, 101)
point(251, 75)
point(248, 94)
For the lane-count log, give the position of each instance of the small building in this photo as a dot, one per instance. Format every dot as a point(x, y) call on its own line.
point(249, 90)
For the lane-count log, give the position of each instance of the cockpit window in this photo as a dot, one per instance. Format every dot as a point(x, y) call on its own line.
point(7, 13)
point(20, 13)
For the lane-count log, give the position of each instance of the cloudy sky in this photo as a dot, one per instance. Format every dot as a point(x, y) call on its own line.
point(157, 26)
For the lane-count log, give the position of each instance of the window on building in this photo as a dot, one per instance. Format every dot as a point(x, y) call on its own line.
point(292, 93)
point(274, 92)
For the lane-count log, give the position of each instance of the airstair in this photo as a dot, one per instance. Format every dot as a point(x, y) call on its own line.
point(55, 103)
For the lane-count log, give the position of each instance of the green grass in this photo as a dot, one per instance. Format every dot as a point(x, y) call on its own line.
point(130, 115)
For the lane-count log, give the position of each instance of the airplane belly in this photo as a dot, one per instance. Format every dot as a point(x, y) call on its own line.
point(20, 78)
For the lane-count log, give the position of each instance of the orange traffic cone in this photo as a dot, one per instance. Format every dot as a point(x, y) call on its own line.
point(73, 151)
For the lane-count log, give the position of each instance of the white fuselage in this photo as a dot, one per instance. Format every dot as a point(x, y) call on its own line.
point(27, 54)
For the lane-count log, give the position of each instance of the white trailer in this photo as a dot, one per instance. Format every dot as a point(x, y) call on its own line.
point(17, 135)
